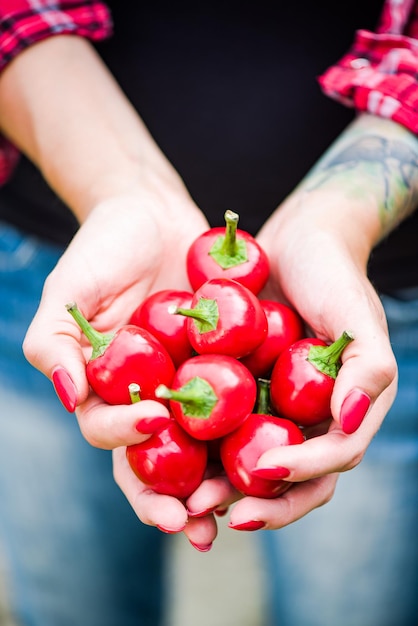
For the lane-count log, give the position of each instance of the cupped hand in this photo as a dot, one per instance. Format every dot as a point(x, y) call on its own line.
point(195, 517)
point(318, 265)
point(127, 248)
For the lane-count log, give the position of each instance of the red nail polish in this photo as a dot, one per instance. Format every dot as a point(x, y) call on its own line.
point(203, 512)
point(169, 531)
point(271, 473)
point(353, 410)
point(251, 525)
point(65, 388)
point(149, 425)
point(201, 547)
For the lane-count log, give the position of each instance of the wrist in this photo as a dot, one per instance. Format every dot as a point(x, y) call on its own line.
point(146, 184)
point(323, 217)
point(77, 126)
point(362, 187)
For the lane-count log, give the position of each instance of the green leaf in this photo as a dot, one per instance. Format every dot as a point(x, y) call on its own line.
point(223, 258)
point(208, 315)
point(205, 314)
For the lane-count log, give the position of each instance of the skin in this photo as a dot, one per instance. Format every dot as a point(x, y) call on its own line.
point(119, 184)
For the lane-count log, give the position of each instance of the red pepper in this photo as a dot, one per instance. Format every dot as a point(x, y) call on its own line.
point(170, 461)
point(285, 326)
point(130, 354)
point(226, 318)
point(154, 315)
point(211, 395)
point(241, 449)
point(228, 252)
point(303, 379)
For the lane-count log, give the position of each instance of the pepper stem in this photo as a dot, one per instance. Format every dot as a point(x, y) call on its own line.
point(262, 404)
point(228, 250)
point(327, 359)
point(205, 313)
point(197, 397)
point(134, 390)
point(99, 341)
point(229, 246)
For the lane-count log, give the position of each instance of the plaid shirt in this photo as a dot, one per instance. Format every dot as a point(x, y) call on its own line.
point(379, 74)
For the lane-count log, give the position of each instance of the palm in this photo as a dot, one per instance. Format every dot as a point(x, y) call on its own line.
point(124, 261)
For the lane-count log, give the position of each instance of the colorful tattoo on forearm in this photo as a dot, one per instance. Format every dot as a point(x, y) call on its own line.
point(387, 168)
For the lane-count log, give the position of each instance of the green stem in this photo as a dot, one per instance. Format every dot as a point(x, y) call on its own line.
point(327, 359)
point(99, 341)
point(229, 246)
point(206, 314)
point(196, 314)
point(196, 397)
point(134, 390)
point(228, 250)
point(262, 404)
point(186, 397)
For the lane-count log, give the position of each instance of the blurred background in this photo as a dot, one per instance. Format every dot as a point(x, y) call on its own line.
point(223, 586)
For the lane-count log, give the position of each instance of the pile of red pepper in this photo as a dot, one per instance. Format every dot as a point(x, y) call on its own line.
point(238, 373)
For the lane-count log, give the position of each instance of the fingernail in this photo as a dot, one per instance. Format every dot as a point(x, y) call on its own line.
point(221, 512)
point(203, 512)
point(201, 547)
point(65, 388)
point(353, 410)
point(149, 425)
point(251, 525)
point(170, 531)
point(271, 473)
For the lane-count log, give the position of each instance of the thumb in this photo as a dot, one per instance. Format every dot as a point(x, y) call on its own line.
point(369, 367)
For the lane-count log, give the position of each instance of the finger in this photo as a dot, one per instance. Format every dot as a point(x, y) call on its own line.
point(255, 513)
point(165, 512)
point(110, 426)
point(201, 532)
point(332, 452)
point(52, 345)
point(369, 368)
point(213, 494)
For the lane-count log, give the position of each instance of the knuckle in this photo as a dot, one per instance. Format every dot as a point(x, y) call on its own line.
point(328, 491)
point(116, 474)
point(91, 437)
point(388, 372)
point(30, 348)
point(355, 460)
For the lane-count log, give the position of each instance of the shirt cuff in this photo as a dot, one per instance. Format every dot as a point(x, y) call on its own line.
point(29, 23)
point(378, 75)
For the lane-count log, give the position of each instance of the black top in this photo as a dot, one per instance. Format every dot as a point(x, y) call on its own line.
point(229, 92)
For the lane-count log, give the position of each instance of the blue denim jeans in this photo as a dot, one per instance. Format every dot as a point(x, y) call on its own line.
point(354, 562)
point(75, 553)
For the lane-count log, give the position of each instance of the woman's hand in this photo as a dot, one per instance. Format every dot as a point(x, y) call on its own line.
point(137, 222)
point(319, 242)
point(314, 271)
point(127, 248)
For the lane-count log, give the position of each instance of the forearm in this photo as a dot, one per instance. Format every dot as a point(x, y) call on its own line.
point(362, 187)
point(62, 108)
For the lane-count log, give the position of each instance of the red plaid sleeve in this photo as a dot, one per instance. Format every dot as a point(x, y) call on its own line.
point(379, 74)
point(24, 22)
